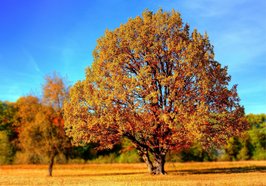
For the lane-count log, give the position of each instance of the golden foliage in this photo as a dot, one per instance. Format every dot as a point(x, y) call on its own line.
point(55, 91)
point(156, 84)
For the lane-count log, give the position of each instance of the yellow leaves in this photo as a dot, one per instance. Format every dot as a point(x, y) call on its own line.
point(153, 79)
point(55, 91)
point(41, 134)
point(151, 97)
point(147, 16)
point(165, 118)
point(26, 107)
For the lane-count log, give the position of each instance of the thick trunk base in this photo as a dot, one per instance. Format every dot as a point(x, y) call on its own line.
point(157, 166)
point(158, 170)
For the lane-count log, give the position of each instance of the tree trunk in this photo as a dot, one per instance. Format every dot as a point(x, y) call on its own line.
point(51, 164)
point(145, 156)
point(148, 162)
point(158, 165)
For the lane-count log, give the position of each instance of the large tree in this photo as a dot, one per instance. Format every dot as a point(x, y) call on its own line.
point(157, 84)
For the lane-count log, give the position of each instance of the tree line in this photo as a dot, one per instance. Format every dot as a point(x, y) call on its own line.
point(32, 132)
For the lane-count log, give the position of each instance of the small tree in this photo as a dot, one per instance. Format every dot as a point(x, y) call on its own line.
point(43, 138)
point(40, 122)
point(55, 92)
point(158, 85)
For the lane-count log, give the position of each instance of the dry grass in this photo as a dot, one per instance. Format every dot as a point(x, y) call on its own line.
point(180, 174)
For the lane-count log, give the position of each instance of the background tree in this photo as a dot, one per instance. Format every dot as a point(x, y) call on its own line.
point(7, 112)
point(6, 154)
point(197, 153)
point(55, 93)
point(40, 122)
point(158, 85)
point(257, 135)
point(232, 148)
point(252, 144)
point(246, 151)
point(7, 132)
point(27, 108)
point(43, 138)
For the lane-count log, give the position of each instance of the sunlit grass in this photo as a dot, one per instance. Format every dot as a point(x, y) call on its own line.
point(198, 174)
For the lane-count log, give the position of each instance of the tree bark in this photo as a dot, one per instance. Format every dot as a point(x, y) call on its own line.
point(51, 164)
point(148, 162)
point(158, 165)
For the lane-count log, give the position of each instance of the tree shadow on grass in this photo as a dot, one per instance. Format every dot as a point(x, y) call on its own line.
point(103, 174)
point(229, 170)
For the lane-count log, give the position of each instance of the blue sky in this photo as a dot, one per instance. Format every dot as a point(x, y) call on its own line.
point(38, 37)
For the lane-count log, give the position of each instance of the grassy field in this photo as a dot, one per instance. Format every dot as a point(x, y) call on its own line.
point(180, 174)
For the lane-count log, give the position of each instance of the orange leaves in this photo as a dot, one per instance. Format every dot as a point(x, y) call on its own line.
point(27, 107)
point(54, 91)
point(59, 122)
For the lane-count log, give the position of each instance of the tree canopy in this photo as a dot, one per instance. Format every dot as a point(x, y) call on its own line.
point(55, 91)
point(157, 84)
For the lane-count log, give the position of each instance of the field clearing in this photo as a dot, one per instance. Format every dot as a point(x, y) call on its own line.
point(181, 174)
